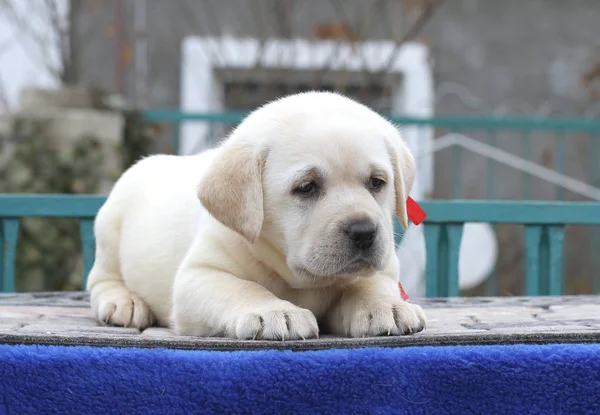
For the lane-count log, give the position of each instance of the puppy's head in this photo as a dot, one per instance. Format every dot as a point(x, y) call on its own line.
point(319, 177)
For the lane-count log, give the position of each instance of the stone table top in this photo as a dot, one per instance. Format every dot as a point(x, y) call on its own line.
point(65, 319)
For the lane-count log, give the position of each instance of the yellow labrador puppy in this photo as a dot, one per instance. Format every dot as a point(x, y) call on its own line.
point(288, 222)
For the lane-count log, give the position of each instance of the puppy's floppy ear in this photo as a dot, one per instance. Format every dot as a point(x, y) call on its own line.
point(231, 191)
point(403, 163)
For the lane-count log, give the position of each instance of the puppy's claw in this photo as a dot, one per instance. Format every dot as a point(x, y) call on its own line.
point(283, 324)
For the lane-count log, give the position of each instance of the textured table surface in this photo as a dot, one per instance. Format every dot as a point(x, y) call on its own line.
point(65, 319)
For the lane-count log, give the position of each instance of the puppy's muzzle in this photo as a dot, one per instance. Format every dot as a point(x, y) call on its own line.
point(361, 233)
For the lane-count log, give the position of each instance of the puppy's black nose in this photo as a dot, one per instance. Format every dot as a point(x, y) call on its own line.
point(362, 234)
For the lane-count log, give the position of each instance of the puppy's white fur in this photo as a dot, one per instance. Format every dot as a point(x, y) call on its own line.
point(224, 244)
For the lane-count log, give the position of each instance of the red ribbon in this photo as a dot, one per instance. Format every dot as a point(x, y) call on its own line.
point(416, 215)
point(414, 211)
point(402, 293)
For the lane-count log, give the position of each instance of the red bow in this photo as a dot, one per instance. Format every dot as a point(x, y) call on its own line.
point(402, 293)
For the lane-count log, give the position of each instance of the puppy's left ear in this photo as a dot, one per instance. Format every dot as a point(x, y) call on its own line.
point(404, 175)
point(231, 191)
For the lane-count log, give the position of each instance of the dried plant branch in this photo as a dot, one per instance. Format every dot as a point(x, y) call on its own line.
point(590, 76)
point(21, 23)
point(262, 29)
point(192, 18)
point(61, 33)
point(413, 31)
point(4, 104)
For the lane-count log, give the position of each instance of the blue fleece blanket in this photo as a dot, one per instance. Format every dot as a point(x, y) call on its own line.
point(553, 379)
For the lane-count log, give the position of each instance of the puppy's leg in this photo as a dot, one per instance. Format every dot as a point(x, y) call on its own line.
point(208, 302)
point(373, 307)
point(112, 303)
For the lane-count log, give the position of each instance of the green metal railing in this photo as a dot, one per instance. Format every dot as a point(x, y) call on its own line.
point(543, 221)
point(544, 229)
point(14, 207)
point(544, 225)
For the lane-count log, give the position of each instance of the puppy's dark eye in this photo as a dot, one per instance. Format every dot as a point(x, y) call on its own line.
point(306, 189)
point(376, 184)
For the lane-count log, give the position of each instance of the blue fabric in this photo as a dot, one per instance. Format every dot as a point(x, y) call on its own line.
point(553, 379)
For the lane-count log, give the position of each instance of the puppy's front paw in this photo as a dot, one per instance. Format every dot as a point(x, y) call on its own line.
point(281, 321)
point(121, 308)
point(367, 317)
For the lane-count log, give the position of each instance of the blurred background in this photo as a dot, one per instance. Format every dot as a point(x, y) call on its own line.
point(498, 100)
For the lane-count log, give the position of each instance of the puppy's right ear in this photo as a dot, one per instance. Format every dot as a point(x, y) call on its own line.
point(404, 175)
point(231, 191)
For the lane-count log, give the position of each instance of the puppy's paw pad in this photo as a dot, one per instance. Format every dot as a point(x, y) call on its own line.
point(282, 323)
point(126, 310)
